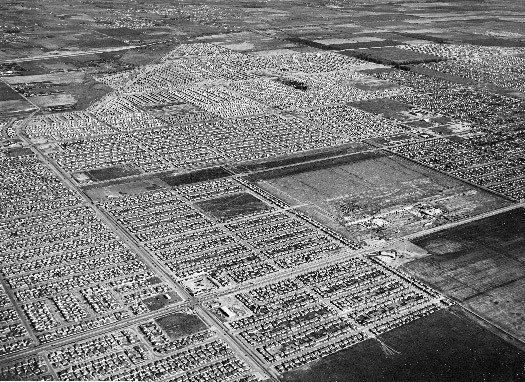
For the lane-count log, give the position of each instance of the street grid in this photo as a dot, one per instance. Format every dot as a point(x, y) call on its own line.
point(97, 288)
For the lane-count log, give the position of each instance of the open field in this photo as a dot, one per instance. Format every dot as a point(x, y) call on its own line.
point(231, 207)
point(480, 264)
point(438, 348)
point(178, 325)
point(7, 93)
point(370, 195)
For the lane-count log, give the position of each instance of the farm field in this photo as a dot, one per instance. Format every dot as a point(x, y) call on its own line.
point(481, 264)
point(449, 347)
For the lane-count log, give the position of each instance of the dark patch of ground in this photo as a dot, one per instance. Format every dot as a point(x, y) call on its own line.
point(18, 151)
point(392, 56)
point(94, 41)
point(109, 173)
point(481, 264)
point(420, 36)
point(160, 301)
point(88, 92)
point(195, 176)
point(293, 83)
point(7, 93)
point(121, 33)
point(440, 75)
point(313, 44)
point(20, 68)
point(317, 165)
point(282, 162)
point(178, 325)
point(475, 257)
point(154, 280)
point(233, 206)
point(389, 108)
point(364, 44)
point(442, 347)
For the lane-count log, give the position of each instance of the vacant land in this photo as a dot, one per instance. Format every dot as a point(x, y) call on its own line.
point(161, 300)
point(387, 107)
point(438, 348)
point(349, 192)
point(109, 173)
point(178, 325)
point(392, 56)
point(481, 264)
point(8, 94)
point(234, 206)
point(195, 176)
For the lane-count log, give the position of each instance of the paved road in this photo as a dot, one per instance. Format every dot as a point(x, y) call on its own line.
point(246, 352)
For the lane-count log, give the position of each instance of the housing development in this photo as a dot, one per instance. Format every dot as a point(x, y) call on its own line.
point(262, 191)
